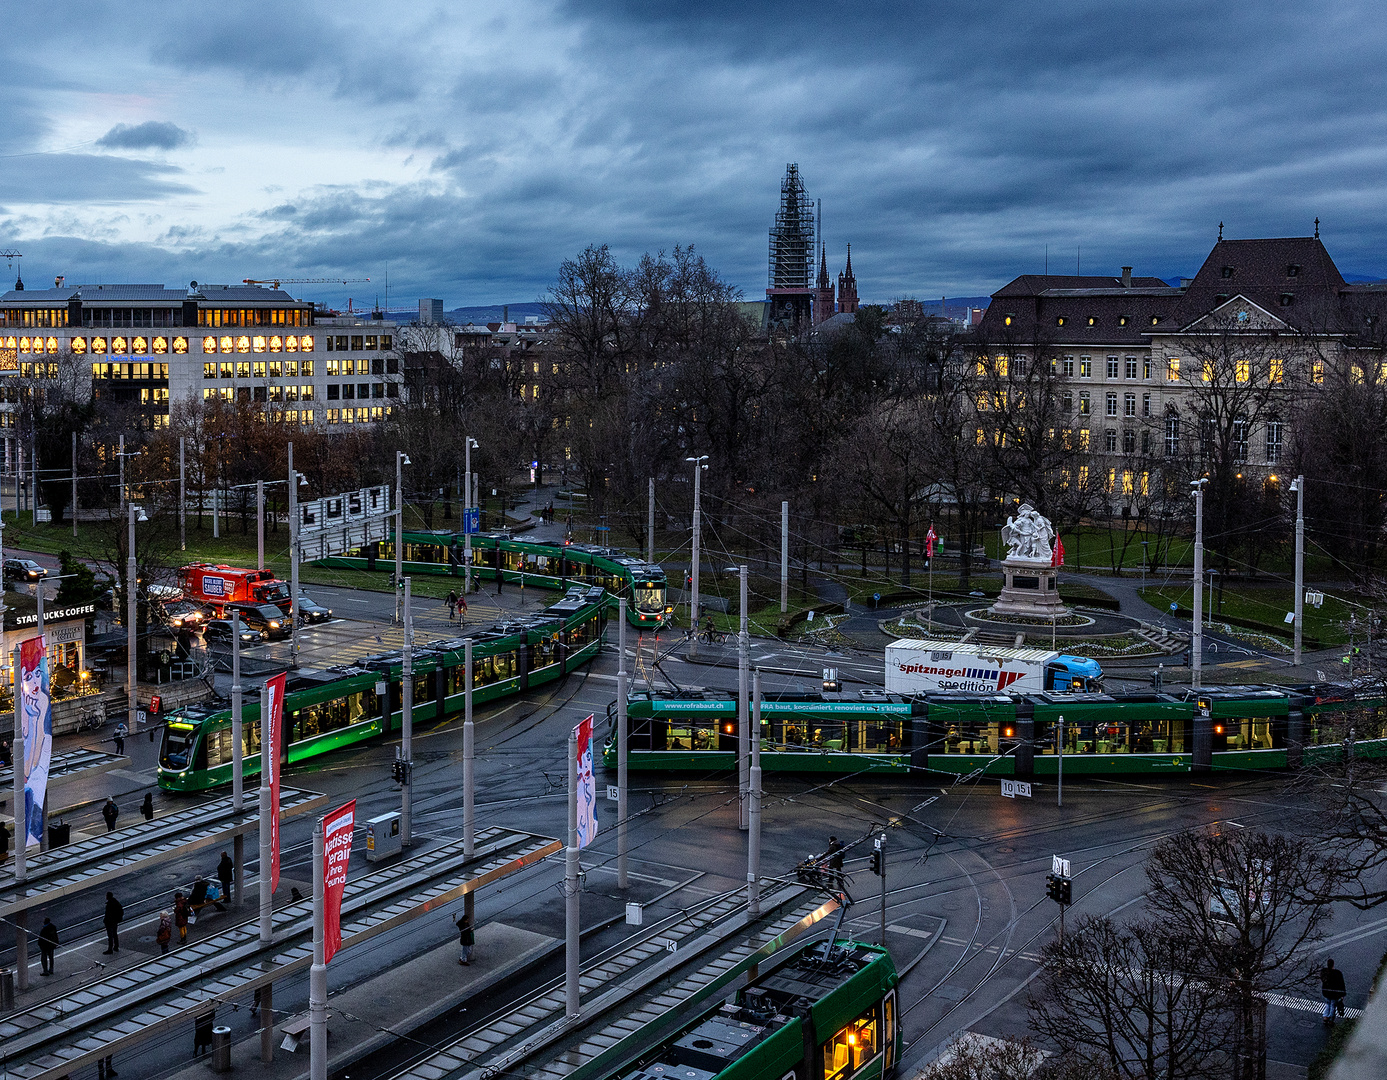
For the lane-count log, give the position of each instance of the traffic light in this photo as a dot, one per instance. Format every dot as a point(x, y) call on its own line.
point(397, 771)
point(876, 863)
point(1059, 889)
point(1066, 891)
point(1052, 887)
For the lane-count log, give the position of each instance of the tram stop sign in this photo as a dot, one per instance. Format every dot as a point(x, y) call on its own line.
point(1174, 607)
point(471, 519)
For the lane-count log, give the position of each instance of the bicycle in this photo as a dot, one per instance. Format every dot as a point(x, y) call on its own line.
point(713, 637)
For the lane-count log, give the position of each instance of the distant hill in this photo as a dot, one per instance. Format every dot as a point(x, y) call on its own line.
point(493, 312)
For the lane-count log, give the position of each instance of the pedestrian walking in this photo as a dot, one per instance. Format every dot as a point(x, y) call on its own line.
point(48, 945)
point(1333, 990)
point(462, 609)
point(110, 812)
point(120, 733)
point(180, 917)
point(111, 920)
point(5, 758)
point(165, 932)
point(452, 604)
point(4, 842)
point(467, 939)
point(147, 807)
point(202, 1032)
point(225, 872)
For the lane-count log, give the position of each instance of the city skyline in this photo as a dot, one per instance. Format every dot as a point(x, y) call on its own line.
point(464, 155)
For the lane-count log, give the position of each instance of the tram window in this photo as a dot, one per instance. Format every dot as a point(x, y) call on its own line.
point(878, 736)
point(851, 1047)
point(178, 741)
point(581, 634)
point(218, 745)
point(543, 653)
point(649, 598)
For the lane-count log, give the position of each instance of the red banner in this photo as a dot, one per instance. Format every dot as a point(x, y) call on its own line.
point(274, 706)
point(337, 853)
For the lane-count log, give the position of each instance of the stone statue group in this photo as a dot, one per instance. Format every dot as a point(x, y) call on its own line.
point(1029, 537)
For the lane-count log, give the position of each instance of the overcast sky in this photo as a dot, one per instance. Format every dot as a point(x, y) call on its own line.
point(465, 149)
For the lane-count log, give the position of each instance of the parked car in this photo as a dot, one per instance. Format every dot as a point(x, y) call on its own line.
point(183, 614)
point(24, 570)
point(310, 612)
point(220, 630)
point(266, 617)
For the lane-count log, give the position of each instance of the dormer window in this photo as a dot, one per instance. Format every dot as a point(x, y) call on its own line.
point(1059, 320)
point(1092, 320)
point(1227, 271)
point(1122, 320)
point(1371, 320)
point(1221, 298)
point(1155, 319)
point(1293, 270)
point(1287, 299)
point(1008, 319)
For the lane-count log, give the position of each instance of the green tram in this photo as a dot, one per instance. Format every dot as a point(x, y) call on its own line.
point(829, 1011)
point(337, 707)
point(1178, 731)
point(538, 564)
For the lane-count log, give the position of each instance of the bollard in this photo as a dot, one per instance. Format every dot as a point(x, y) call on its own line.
point(221, 1049)
point(6, 989)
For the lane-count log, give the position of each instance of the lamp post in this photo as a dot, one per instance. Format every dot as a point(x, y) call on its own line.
point(407, 727)
point(401, 460)
point(1197, 642)
point(1298, 486)
point(467, 506)
point(699, 467)
point(131, 633)
point(744, 733)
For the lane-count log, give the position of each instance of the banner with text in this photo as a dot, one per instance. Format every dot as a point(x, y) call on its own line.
point(337, 853)
point(271, 729)
point(587, 786)
point(36, 717)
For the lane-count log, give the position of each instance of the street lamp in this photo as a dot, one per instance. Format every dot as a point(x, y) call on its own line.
point(401, 460)
point(699, 468)
point(1298, 486)
point(1197, 644)
point(469, 443)
point(132, 700)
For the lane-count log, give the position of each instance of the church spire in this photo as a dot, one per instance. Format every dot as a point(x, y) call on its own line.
point(847, 288)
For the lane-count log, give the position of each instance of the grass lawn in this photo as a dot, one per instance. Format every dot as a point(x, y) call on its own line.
point(1264, 603)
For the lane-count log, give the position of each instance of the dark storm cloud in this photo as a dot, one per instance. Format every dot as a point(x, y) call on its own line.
point(151, 135)
point(87, 178)
point(950, 143)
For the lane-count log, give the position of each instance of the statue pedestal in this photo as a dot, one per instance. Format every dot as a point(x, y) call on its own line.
point(1030, 592)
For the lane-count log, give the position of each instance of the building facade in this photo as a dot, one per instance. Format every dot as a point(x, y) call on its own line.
point(143, 347)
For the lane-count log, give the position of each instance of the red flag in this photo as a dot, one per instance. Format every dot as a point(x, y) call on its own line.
point(931, 538)
point(273, 722)
point(1057, 559)
point(337, 853)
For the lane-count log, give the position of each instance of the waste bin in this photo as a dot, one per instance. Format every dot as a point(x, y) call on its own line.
point(221, 1049)
point(6, 989)
point(59, 834)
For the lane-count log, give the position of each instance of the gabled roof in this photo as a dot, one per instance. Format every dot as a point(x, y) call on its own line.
point(1297, 268)
point(1238, 313)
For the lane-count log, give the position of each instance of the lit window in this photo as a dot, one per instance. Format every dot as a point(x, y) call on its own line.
point(160, 346)
point(275, 369)
point(1059, 321)
point(306, 368)
point(52, 345)
point(139, 346)
point(276, 343)
point(1092, 321)
point(228, 369)
point(226, 344)
point(1277, 372)
point(1317, 371)
point(1208, 371)
point(209, 393)
point(1083, 469)
point(1172, 369)
point(79, 345)
point(209, 345)
point(1242, 371)
point(306, 343)
point(243, 344)
point(257, 344)
point(1085, 367)
point(1085, 404)
point(291, 344)
point(99, 345)
point(1007, 320)
point(333, 415)
point(243, 369)
point(307, 415)
point(119, 345)
point(258, 368)
point(1128, 487)
point(209, 369)
point(1155, 319)
point(180, 345)
point(1083, 439)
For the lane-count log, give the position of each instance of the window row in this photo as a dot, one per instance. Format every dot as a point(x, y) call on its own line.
point(348, 391)
point(34, 317)
point(259, 393)
point(247, 343)
point(115, 318)
point(366, 365)
point(130, 371)
point(256, 369)
point(1129, 367)
point(1092, 320)
point(253, 317)
point(358, 342)
point(359, 415)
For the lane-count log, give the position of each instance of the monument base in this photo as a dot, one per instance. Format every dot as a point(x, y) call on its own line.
point(1031, 591)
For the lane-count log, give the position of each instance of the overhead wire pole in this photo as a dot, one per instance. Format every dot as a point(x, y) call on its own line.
point(294, 556)
point(622, 723)
point(468, 444)
point(743, 710)
point(753, 844)
point(317, 974)
point(1299, 488)
point(260, 524)
point(572, 989)
point(469, 805)
point(401, 460)
point(238, 751)
point(407, 727)
point(697, 538)
point(1197, 642)
point(784, 557)
point(131, 629)
point(182, 495)
point(74, 483)
point(21, 828)
point(650, 527)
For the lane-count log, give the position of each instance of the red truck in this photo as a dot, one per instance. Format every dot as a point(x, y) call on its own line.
point(221, 585)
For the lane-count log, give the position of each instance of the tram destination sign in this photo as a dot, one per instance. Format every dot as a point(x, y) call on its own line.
point(1013, 788)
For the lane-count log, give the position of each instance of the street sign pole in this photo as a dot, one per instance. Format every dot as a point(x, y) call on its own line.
point(238, 754)
point(622, 723)
point(753, 846)
point(407, 726)
point(1059, 756)
point(881, 848)
point(743, 710)
point(570, 889)
point(317, 974)
point(469, 821)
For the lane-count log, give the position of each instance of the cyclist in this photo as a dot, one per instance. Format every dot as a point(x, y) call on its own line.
point(708, 631)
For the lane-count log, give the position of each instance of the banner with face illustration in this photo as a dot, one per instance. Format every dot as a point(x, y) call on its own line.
point(587, 785)
point(36, 718)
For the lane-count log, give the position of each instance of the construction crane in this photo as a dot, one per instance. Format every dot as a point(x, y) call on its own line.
point(277, 282)
point(11, 254)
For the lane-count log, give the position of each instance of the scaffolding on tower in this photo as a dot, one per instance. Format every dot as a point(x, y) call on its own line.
point(792, 235)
